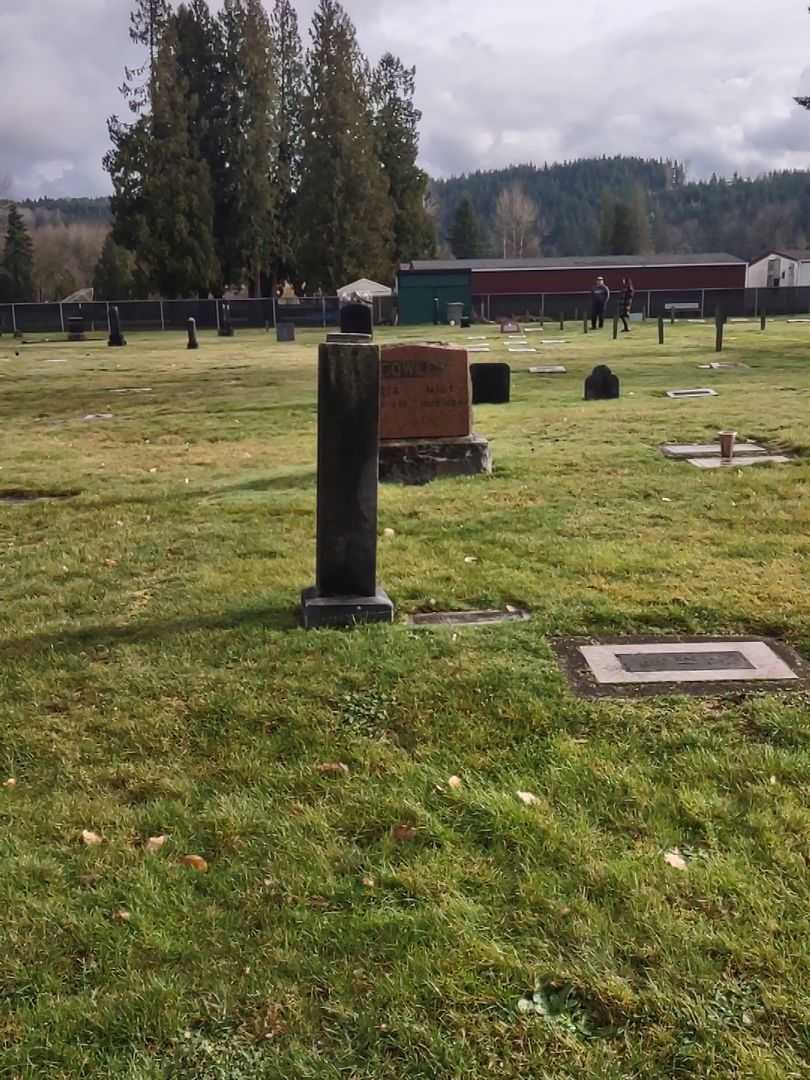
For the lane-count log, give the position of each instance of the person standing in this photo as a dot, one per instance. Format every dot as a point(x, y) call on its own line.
point(628, 292)
point(600, 294)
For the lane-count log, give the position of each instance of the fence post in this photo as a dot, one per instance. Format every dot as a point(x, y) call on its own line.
point(109, 324)
point(13, 320)
point(649, 302)
point(756, 302)
point(162, 321)
point(275, 314)
point(61, 316)
point(216, 308)
point(323, 311)
point(702, 303)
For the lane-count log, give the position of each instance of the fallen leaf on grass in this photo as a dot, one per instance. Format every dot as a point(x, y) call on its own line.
point(121, 917)
point(675, 859)
point(389, 533)
point(333, 768)
point(91, 838)
point(11, 782)
point(110, 563)
point(454, 782)
point(403, 833)
point(196, 862)
point(528, 798)
point(155, 843)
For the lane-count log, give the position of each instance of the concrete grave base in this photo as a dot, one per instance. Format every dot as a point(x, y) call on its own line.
point(739, 461)
point(338, 338)
point(639, 666)
point(684, 451)
point(420, 461)
point(467, 618)
point(336, 611)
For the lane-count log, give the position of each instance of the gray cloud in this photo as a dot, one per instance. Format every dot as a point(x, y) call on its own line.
point(705, 81)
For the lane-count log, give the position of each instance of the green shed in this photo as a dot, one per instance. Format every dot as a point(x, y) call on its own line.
point(418, 288)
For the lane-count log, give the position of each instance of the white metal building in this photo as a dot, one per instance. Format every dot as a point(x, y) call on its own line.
point(779, 269)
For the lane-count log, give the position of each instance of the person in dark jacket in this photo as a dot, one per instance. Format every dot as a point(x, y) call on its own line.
point(628, 292)
point(600, 294)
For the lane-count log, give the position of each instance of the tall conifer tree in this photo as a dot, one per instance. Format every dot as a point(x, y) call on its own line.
point(287, 165)
point(345, 215)
point(18, 258)
point(466, 233)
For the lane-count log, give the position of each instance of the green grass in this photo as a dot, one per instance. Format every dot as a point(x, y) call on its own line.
point(154, 681)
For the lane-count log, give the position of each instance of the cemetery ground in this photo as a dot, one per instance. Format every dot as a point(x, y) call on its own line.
point(360, 914)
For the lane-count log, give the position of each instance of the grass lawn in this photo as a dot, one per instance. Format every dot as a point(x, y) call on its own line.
point(374, 921)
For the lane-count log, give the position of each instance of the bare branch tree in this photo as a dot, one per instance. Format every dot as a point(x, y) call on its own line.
point(517, 221)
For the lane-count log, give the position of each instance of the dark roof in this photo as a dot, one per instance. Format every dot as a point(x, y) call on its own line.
point(575, 262)
point(796, 254)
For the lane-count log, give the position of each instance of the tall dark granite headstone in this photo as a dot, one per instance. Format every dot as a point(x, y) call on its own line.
point(601, 384)
point(116, 337)
point(491, 384)
point(225, 324)
point(346, 591)
point(191, 325)
point(356, 319)
point(285, 331)
point(76, 328)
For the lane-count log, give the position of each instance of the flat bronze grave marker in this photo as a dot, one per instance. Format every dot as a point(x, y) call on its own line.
point(636, 666)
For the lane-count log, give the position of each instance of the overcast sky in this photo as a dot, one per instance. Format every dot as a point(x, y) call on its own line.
point(709, 82)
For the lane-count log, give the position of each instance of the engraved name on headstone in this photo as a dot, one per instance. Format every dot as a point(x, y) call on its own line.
point(426, 392)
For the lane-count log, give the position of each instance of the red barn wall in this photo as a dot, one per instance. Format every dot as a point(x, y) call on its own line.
point(672, 278)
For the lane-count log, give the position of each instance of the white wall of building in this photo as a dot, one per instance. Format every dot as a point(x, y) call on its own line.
point(788, 272)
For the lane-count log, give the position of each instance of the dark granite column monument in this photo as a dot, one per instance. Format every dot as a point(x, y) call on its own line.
point(116, 337)
point(346, 591)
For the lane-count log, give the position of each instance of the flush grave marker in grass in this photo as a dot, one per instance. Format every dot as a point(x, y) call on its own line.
point(671, 665)
point(703, 391)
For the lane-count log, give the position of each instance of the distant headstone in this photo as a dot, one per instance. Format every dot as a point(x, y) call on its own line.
point(191, 325)
point(601, 384)
point(702, 391)
point(346, 591)
point(548, 369)
point(509, 327)
point(465, 322)
point(426, 392)
point(435, 311)
point(285, 331)
point(116, 337)
point(225, 324)
point(491, 383)
point(76, 328)
point(356, 319)
point(660, 329)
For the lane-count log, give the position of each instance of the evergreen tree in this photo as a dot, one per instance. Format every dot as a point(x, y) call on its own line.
point(200, 59)
point(465, 234)
point(250, 139)
point(396, 122)
point(147, 21)
point(18, 258)
point(287, 166)
point(345, 216)
point(176, 250)
point(113, 278)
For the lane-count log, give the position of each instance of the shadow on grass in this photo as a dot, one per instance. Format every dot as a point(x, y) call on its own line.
point(267, 618)
point(294, 481)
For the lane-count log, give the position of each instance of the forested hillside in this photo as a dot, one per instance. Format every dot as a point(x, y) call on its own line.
point(572, 201)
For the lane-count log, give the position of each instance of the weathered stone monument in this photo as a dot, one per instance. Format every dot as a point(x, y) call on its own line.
point(225, 324)
point(601, 384)
point(285, 331)
point(116, 338)
point(346, 591)
point(356, 318)
point(491, 383)
point(76, 328)
point(191, 325)
point(508, 326)
point(426, 415)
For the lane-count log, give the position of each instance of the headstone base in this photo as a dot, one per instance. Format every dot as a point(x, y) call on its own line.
point(336, 611)
point(339, 338)
point(420, 461)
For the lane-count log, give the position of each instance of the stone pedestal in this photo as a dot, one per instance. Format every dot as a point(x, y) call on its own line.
point(419, 461)
point(346, 591)
point(338, 337)
point(76, 328)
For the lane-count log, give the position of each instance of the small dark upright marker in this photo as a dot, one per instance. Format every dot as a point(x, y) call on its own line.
point(660, 329)
point(562, 321)
point(719, 320)
point(615, 326)
point(192, 334)
point(116, 337)
point(585, 326)
point(763, 321)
